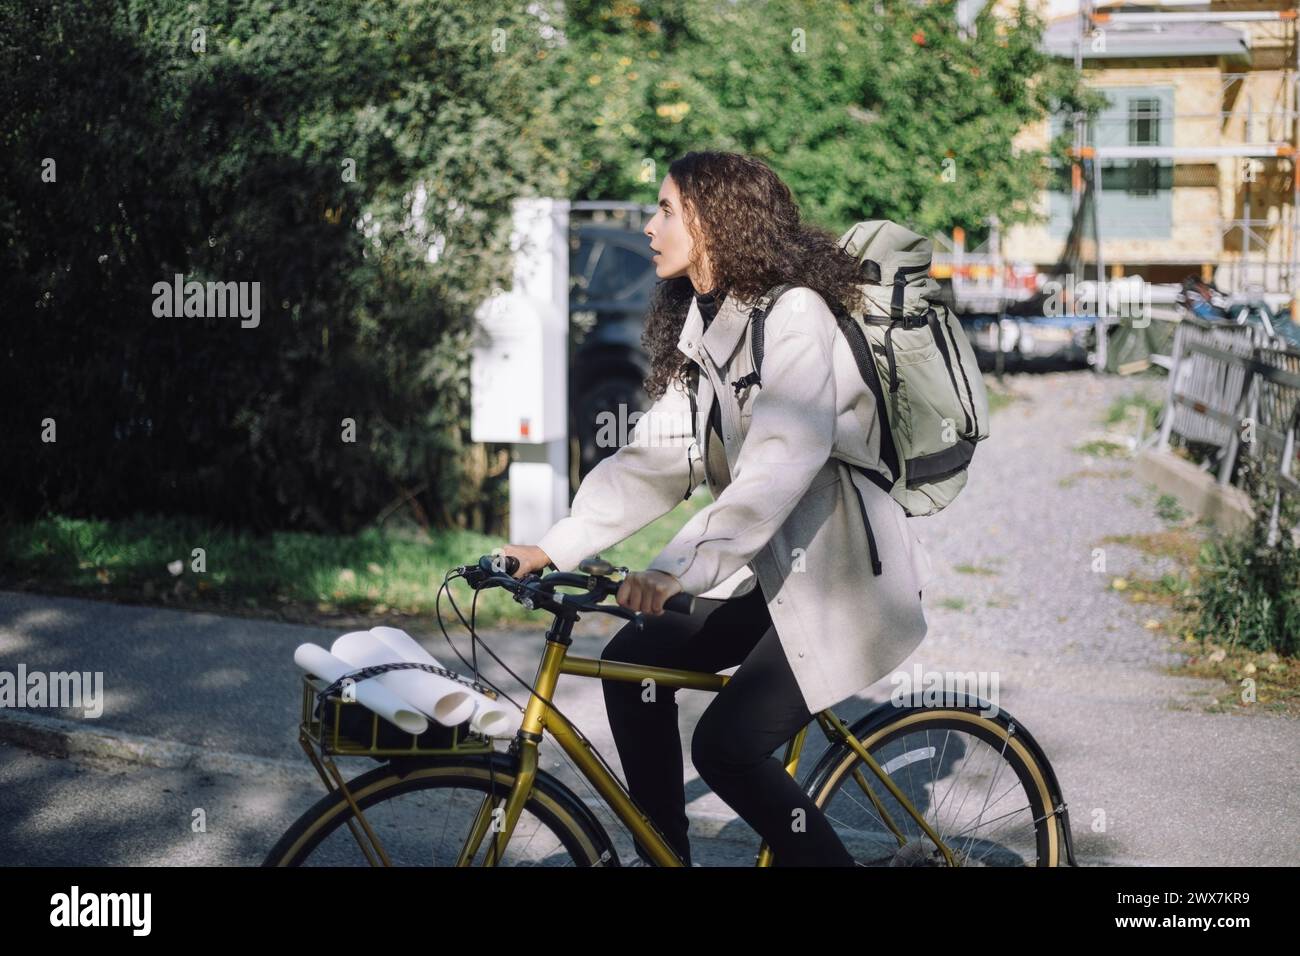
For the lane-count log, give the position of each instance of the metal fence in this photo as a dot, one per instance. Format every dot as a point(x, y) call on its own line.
point(1230, 385)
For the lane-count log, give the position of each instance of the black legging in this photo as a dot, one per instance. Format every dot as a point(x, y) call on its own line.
point(758, 710)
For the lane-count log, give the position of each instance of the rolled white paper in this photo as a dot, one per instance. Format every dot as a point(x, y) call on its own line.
point(407, 647)
point(491, 718)
point(446, 701)
point(316, 660)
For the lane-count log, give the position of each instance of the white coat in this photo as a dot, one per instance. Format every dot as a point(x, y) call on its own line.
point(791, 513)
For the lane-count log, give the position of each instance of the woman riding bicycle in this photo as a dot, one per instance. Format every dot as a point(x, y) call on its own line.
point(809, 575)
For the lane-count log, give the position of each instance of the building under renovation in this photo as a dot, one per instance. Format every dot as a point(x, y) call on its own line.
point(1196, 151)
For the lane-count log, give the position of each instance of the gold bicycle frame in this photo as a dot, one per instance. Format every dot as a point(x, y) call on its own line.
point(317, 731)
point(539, 717)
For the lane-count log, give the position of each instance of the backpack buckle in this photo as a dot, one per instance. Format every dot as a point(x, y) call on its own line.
point(744, 382)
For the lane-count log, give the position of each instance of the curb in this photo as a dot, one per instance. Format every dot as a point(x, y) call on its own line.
point(1226, 507)
point(66, 738)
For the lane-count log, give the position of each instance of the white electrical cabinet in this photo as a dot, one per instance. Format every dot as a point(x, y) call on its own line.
point(519, 368)
point(517, 371)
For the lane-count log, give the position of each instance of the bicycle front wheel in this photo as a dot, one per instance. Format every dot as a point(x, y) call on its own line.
point(980, 782)
point(423, 816)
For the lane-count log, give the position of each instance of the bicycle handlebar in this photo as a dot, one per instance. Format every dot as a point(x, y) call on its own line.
point(533, 590)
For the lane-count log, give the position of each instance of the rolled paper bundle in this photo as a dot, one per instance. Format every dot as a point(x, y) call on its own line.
point(405, 645)
point(314, 659)
point(446, 701)
point(492, 718)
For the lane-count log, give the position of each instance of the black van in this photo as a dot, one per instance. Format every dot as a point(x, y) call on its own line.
point(611, 280)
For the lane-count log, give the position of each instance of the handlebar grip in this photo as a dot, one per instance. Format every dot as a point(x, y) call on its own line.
point(681, 602)
point(493, 564)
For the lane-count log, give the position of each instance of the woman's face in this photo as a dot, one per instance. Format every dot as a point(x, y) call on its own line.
point(670, 238)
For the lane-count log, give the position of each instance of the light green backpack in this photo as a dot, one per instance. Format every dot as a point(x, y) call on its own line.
point(914, 355)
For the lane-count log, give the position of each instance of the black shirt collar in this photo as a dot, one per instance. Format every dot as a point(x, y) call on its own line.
point(708, 303)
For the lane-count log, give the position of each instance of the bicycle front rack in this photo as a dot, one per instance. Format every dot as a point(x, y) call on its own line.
point(334, 727)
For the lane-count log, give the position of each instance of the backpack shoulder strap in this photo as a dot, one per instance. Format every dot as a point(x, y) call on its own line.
point(693, 377)
point(861, 350)
point(757, 316)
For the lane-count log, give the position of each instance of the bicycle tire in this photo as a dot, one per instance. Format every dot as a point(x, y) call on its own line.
point(887, 723)
point(553, 804)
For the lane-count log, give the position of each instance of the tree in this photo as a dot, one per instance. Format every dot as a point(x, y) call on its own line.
point(320, 150)
point(866, 110)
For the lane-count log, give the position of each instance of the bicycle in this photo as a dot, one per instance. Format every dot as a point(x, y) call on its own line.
point(870, 781)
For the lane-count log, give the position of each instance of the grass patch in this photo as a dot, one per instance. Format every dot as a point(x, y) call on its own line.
point(1102, 448)
point(1120, 409)
point(1000, 396)
point(998, 400)
point(1177, 543)
point(1071, 479)
point(376, 576)
point(953, 603)
point(1168, 509)
point(1272, 680)
point(974, 569)
point(1165, 590)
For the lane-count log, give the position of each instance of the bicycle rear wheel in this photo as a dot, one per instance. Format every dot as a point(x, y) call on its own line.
point(422, 816)
point(981, 783)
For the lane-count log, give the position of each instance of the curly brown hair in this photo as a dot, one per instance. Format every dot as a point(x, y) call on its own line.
point(746, 218)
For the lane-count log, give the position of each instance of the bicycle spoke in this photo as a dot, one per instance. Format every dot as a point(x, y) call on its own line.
point(1001, 763)
point(1003, 816)
point(910, 793)
point(938, 769)
point(442, 839)
point(989, 835)
point(953, 784)
point(933, 786)
point(993, 844)
point(869, 812)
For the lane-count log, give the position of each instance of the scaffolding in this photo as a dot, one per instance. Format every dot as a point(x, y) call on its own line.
point(1283, 119)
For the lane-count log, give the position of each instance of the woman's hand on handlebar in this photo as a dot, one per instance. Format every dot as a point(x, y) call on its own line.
point(646, 591)
point(530, 557)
